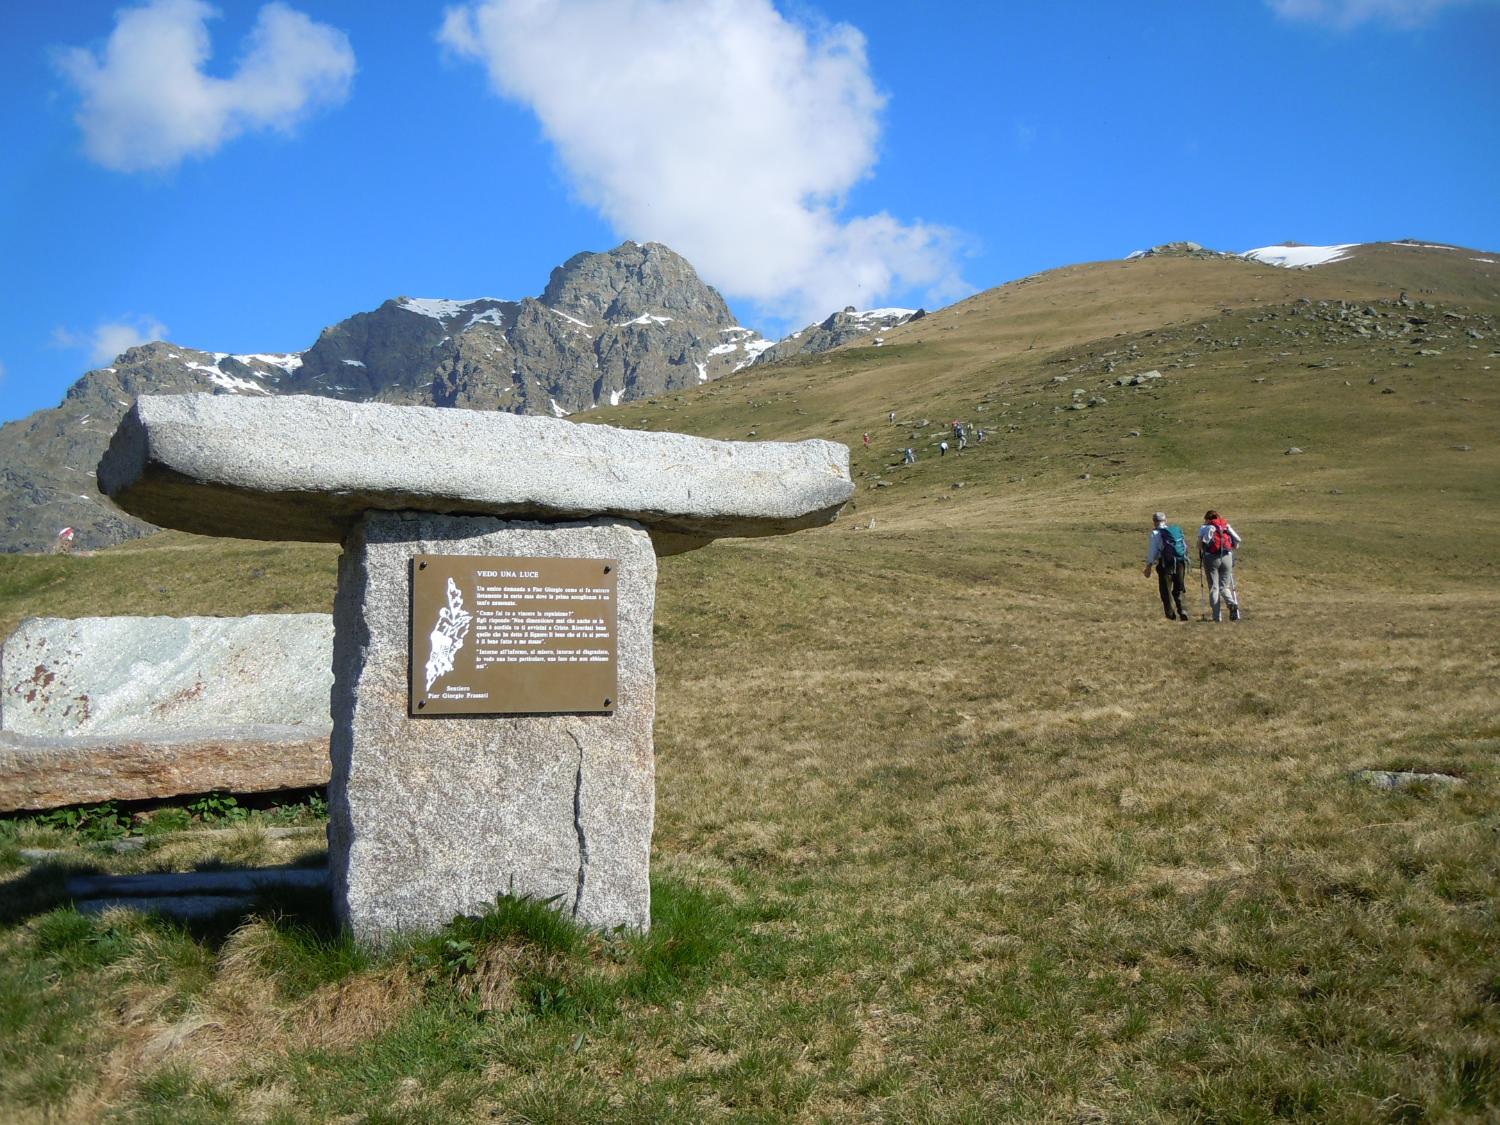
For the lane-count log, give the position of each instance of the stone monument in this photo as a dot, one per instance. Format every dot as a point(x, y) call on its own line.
point(494, 691)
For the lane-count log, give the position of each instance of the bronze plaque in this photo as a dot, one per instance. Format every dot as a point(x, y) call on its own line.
point(512, 636)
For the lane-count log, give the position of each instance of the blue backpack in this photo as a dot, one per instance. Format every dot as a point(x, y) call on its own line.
point(1173, 546)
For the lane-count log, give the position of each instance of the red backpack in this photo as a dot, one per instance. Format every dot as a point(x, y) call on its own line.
point(1221, 542)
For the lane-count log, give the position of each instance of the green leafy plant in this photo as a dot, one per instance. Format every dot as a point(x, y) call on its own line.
point(213, 807)
point(459, 957)
point(92, 822)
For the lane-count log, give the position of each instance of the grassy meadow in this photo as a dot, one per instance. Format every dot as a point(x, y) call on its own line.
point(952, 825)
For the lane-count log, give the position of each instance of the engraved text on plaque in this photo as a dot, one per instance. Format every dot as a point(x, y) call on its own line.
point(512, 636)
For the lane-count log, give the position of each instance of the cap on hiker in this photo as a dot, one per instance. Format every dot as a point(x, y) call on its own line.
point(1159, 517)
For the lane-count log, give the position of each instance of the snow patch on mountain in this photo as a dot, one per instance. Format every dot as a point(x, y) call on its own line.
point(287, 361)
point(488, 316)
point(438, 308)
point(565, 316)
point(236, 385)
point(1300, 257)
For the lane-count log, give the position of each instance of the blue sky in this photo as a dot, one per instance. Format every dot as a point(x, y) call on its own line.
point(235, 178)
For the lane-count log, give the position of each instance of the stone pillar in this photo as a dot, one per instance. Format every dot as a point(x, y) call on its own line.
point(434, 816)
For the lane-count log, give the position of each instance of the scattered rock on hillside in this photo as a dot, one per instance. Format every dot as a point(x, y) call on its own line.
point(1294, 449)
point(1402, 779)
point(1181, 249)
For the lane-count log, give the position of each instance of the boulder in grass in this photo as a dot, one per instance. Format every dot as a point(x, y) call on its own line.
point(131, 708)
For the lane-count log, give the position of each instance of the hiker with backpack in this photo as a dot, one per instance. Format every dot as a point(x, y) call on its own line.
point(1217, 542)
point(1168, 553)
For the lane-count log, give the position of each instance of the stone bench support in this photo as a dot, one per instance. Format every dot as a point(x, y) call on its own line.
point(434, 816)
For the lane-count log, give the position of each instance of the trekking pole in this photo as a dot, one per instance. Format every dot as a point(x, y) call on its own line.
point(1203, 585)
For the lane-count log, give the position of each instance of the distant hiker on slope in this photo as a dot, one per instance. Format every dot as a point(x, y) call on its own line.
point(1168, 553)
point(942, 449)
point(1217, 542)
point(911, 456)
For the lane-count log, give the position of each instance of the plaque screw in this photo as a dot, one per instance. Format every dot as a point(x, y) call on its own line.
point(608, 569)
point(421, 703)
point(421, 566)
point(607, 702)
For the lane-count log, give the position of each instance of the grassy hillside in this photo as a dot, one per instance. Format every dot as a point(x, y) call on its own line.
point(951, 824)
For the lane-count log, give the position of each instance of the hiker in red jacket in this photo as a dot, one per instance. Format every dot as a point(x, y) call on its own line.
point(1168, 554)
point(1217, 542)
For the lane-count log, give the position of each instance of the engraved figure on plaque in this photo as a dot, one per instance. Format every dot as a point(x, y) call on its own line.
point(447, 636)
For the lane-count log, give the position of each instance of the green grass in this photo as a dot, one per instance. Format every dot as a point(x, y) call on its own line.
point(169, 573)
point(951, 826)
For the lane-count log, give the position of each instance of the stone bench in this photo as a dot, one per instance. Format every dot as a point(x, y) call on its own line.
point(433, 813)
point(300, 467)
point(131, 708)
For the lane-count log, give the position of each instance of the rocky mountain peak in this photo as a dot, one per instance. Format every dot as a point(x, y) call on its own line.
point(634, 280)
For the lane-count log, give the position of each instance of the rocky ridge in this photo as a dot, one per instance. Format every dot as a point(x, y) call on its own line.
point(840, 328)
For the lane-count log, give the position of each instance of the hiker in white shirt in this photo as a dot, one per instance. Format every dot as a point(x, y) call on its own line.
point(1217, 542)
point(1170, 564)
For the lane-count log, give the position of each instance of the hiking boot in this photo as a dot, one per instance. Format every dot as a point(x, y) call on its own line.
point(1182, 615)
point(1234, 613)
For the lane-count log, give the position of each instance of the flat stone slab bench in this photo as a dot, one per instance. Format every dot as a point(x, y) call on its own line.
point(547, 533)
point(307, 468)
point(131, 708)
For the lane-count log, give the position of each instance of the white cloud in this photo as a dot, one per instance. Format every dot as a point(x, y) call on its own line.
point(1345, 14)
point(105, 341)
point(147, 103)
point(719, 127)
